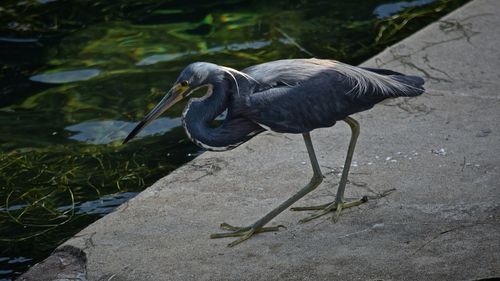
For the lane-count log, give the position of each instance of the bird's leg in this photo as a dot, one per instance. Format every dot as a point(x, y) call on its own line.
point(338, 205)
point(257, 227)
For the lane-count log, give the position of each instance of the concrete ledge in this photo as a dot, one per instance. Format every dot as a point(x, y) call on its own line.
point(441, 152)
point(65, 263)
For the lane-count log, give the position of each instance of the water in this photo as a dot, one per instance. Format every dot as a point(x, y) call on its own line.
point(76, 76)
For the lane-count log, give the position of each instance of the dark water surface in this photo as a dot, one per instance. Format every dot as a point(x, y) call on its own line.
point(76, 76)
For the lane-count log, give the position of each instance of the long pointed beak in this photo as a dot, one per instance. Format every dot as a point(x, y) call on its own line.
point(171, 98)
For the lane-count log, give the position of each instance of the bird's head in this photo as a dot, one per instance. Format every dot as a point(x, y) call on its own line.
point(194, 76)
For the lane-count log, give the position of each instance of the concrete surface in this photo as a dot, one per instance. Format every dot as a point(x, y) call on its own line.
point(441, 152)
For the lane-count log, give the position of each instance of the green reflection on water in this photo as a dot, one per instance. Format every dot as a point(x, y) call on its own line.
point(60, 143)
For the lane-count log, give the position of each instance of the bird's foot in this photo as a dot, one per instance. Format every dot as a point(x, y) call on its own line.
point(330, 207)
point(244, 232)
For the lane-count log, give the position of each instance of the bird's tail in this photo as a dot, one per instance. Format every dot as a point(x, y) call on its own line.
point(414, 84)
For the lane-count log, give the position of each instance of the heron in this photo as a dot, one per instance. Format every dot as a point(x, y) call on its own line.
point(293, 96)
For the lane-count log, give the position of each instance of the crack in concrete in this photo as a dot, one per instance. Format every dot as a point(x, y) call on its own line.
point(209, 166)
point(448, 26)
point(406, 60)
point(89, 241)
point(406, 105)
point(460, 94)
point(427, 62)
point(445, 232)
point(461, 26)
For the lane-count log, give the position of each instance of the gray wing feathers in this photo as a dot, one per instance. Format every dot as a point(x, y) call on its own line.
point(363, 82)
point(313, 104)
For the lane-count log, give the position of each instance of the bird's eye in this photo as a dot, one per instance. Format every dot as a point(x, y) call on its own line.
point(184, 83)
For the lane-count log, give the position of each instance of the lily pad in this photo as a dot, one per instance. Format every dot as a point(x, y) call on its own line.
point(153, 59)
point(66, 76)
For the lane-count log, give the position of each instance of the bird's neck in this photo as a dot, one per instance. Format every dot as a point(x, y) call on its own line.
point(200, 112)
point(233, 131)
